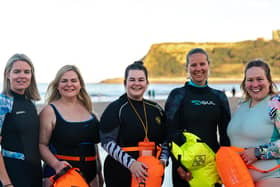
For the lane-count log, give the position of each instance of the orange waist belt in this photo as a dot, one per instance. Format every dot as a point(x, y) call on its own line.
point(76, 158)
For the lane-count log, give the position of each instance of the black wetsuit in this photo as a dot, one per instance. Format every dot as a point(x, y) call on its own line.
point(201, 111)
point(75, 139)
point(120, 127)
point(20, 135)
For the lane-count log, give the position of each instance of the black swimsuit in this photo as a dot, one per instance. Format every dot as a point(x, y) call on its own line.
point(76, 139)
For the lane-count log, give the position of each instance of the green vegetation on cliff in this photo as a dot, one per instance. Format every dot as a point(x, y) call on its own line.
point(227, 59)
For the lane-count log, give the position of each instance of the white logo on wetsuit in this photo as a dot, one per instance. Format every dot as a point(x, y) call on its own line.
point(20, 112)
point(202, 102)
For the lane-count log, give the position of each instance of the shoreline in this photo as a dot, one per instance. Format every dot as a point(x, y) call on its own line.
point(181, 80)
point(99, 107)
point(175, 80)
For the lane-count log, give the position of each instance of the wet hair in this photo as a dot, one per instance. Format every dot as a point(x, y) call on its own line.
point(32, 91)
point(262, 64)
point(194, 51)
point(137, 65)
point(53, 93)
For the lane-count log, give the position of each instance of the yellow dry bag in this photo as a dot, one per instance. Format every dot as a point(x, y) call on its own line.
point(199, 159)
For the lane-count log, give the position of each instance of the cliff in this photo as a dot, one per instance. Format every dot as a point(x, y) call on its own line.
point(227, 59)
point(166, 61)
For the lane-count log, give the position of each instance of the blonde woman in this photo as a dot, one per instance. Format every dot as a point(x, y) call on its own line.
point(20, 164)
point(69, 129)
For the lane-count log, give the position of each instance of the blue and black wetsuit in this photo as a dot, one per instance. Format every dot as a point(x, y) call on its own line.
point(75, 139)
point(19, 124)
point(120, 127)
point(201, 111)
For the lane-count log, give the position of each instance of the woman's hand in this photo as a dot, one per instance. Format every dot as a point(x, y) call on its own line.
point(59, 165)
point(139, 170)
point(185, 175)
point(248, 155)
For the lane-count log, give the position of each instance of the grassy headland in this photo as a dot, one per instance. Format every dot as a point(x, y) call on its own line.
point(166, 61)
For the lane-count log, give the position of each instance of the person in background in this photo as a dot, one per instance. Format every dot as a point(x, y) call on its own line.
point(233, 92)
point(198, 109)
point(127, 121)
point(254, 128)
point(69, 131)
point(20, 162)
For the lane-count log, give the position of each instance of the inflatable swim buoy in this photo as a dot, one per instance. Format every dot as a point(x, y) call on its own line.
point(155, 173)
point(197, 157)
point(155, 168)
point(68, 177)
point(232, 169)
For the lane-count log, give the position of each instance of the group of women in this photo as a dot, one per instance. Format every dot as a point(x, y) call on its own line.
point(66, 131)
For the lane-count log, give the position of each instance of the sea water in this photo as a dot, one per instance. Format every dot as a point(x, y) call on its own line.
point(101, 92)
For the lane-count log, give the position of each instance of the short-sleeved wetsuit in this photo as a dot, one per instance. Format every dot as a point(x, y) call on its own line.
point(19, 126)
point(120, 127)
point(252, 127)
point(76, 139)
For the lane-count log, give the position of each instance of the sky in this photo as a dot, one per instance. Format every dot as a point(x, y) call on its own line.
point(102, 37)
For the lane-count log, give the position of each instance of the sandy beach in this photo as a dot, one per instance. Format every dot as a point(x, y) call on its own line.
point(99, 107)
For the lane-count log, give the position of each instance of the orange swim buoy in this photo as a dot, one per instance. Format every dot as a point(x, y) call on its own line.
point(68, 177)
point(155, 173)
point(155, 168)
point(232, 169)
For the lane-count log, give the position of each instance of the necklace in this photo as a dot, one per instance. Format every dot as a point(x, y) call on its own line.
point(145, 125)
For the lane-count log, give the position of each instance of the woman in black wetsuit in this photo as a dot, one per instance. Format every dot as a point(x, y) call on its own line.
point(20, 163)
point(198, 109)
point(127, 121)
point(69, 131)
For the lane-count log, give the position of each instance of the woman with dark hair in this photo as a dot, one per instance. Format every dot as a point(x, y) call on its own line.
point(127, 121)
point(254, 128)
point(20, 162)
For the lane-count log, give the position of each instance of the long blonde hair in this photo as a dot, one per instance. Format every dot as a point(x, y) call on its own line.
point(53, 93)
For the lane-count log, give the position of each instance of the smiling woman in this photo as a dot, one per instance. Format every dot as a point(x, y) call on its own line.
point(255, 124)
point(20, 163)
point(126, 122)
point(136, 84)
point(197, 108)
point(20, 76)
point(69, 129)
